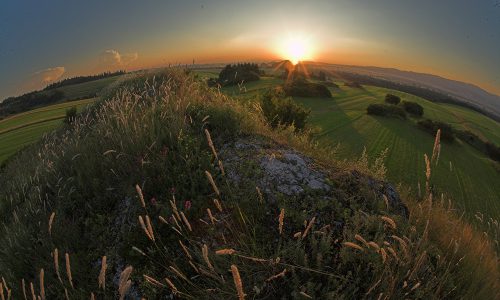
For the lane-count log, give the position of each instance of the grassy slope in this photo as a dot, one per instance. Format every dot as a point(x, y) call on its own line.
point(473, 181)
point(75, 91)
point(25, 128)
point(85, 174)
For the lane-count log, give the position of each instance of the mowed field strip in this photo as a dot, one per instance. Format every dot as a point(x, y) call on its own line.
point(23, 129)
point(463, 172)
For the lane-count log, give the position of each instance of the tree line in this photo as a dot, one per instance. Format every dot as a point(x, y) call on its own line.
point(82, 79)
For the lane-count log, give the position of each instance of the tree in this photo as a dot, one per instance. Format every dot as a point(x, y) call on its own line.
point(392, 99)
point(70, 115)
point(413, 108)
point(281, 110)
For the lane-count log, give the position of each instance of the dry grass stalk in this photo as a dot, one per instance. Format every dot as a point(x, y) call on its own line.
point(23, 285)
point(149, 227)
point(280, 221)
point(389, 221)
point(437, 147)
point(386, 201)
point(383, 254)
point(32, 288)
point(68, 270)
point(281, 274)
point(361, 239)
point(185, 249)
point(42, 284)
point(186, 222)
point(259, 193)
point(415, 286)
point(417, 266)
point(138, 251)
point(144, 228)
point(297, 234)
point(237, 282)
point(374, 245)
point(51, 221)
point(125, 283)
point(221, 167)
point(141, 196)
point(373, 287)
point(212, 182)
point(309, 226)
point(56, 264)
point(211, 216)
point(194, 267)
point(92, 297)
point(393, 253)
point(225, 252)
point(162, 219)
point(353, 245)
point(204, 251)
point(172, 286)
point(176, 223)
point(305, 295)
point(152, 280)
point(402, 243)
point(218, 205)
point(211, 144)
point(174, 208)
point(178, 273)
point(102, 273)
point(66, 294)
point(2, 296)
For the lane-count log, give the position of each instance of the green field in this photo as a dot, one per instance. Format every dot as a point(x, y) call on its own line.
point(464, 173)
point(25, 128)
point(85, 89)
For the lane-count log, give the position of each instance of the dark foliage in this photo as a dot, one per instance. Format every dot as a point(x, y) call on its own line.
point(14, 105)
point(386, 110)
point(392, 99)
point(430, 126)
point(281, 110)
point(70, 115)
point(428, 94)
point(237, 74)
point(304, 88)
point(413, 108)
point(82, 79)
point(485, 147)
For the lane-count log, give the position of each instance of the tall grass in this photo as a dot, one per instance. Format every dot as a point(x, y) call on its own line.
point(135, 189)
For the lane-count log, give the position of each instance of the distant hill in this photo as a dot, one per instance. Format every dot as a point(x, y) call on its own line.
point(466, 92)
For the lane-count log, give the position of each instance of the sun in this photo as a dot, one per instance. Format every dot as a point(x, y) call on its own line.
point(296, 49)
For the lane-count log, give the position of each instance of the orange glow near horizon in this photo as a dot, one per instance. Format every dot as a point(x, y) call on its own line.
point(295, 48)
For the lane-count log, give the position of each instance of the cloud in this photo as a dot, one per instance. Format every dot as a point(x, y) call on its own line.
point(112, 59)
point(41, 79)
point(48, 75)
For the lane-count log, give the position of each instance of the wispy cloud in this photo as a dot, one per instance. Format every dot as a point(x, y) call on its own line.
point(48, 75)
point(112, 59)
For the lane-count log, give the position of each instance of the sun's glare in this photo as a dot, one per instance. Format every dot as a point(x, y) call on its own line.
point(296, 49)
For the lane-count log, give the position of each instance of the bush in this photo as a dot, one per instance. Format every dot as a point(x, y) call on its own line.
point(279, 110)
point(386, 110)
point(432, 127)
point(70, 115)
point(304, 88)
point(413, 108)
point(479, 144)
point(392, 99)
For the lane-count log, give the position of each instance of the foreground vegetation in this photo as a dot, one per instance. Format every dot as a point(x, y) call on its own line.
point(133, 198)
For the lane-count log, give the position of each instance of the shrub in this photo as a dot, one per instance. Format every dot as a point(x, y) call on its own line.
point(413, 108)
point(70, 115)
point(431, 127)
point(304, 88)
point(392, 99)
point(280, 110)
point(475, 141)
point(386, 110)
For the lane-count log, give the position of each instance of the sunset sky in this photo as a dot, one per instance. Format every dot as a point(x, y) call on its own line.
point(43, 41)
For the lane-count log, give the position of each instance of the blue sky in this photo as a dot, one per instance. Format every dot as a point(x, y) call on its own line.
point(42, 41)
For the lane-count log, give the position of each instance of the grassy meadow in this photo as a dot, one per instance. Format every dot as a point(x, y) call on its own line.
point(136, 190)
point(26, 128)
point(467, 175)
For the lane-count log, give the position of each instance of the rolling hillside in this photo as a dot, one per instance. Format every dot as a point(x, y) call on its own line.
point(466, 174)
